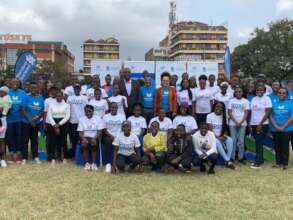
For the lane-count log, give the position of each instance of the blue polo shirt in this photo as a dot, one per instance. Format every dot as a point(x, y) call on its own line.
point(281, 112)
point(18, 99)
point(147, 95)
point(34, 106)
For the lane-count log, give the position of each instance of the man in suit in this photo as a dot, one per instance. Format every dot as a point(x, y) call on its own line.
point(130, 89)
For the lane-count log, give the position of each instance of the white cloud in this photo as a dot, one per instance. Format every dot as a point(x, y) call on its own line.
point(245, 33)
point(284, 6)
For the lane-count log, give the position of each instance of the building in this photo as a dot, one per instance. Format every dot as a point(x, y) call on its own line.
point(107, 49)
point(12, 45)
point(194, 41)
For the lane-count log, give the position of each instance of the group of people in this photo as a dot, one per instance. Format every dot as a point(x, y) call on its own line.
point(172, 127)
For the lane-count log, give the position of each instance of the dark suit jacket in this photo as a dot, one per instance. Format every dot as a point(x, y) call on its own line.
point(134, 94)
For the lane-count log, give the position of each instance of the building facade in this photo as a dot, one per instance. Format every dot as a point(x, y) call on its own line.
point(12, 45)
point(107, 49)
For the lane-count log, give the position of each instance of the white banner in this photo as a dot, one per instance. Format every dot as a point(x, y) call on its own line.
point(104, 67)
point(140, 66)
point(172, 67)
point(202, 68)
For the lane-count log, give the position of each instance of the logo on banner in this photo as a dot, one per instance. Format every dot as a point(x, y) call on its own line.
point(107, 68)
point(172, 68)
point(24, 65)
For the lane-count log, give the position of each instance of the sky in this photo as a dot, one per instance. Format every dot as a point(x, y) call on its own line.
point(138, 24)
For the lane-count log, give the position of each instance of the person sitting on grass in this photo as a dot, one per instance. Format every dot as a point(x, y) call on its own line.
point(204, 142)
point(180, 149)
point(90, 129)
point(155, 147)
point(127, 149)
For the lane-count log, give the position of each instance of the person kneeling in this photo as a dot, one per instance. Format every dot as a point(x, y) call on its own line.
point(155, 147)
point(204, 142)
point(126, 149)
point(90, 129)
point(180, 149)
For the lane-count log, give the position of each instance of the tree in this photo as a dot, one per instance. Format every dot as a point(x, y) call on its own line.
point(269, 52)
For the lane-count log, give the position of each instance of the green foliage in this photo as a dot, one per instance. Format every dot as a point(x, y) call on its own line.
point(268, 52)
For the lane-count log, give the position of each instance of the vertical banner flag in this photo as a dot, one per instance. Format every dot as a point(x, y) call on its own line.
point(202, 68)
point(172, 67)
point(227, 62)
point(138, 67)
point(24, 65)
point(104, 67)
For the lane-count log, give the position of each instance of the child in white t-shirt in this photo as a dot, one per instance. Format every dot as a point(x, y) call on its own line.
point(100, 105)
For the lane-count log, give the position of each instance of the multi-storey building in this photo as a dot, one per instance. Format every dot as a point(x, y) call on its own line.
point(107, 49)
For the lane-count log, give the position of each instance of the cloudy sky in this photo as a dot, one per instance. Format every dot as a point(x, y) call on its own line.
point(138, 24)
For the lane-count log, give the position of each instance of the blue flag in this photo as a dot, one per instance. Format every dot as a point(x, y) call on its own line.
point(24, 65)
point(227, 62)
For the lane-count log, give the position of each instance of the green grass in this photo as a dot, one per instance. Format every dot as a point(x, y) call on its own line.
point(68, 192)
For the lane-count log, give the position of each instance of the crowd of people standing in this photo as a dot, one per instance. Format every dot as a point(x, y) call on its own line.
point(182, 122)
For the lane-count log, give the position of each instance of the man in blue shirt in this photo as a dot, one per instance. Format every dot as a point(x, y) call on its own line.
point(147, 95)
point(33, 111)
point(14, 120)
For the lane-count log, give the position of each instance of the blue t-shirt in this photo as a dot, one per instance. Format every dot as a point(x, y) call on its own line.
point(274, 98)
point(34, 106)
point(147, 96)
point(18, 99)
point(165, 99)
point(281, 112)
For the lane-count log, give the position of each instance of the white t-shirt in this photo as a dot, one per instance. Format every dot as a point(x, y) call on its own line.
point(113, 123)
point(100, 107)
point(205, 143)
point(188, 121)
point(217, 122)
point(48, 102)
point(119, 100)
point(238, 107)
point(77, 104)
point(224, 98)
point(203, 98)
point(90, 93)
point(183, 97)
point(126, 145)
point(137, 123)
point(69, 91)
point(258, 107)
point(165, 125)
point(90, 126)
point(214, 90)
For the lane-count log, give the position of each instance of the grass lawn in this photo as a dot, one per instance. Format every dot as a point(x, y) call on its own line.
point(68, 192)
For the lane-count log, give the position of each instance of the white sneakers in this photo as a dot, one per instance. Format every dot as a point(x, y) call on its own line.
point(3, 163)
point(23, 162)
point(53, 162)
point(108, 168)
point(92, 167)
point(87, 166)
point(37, 160)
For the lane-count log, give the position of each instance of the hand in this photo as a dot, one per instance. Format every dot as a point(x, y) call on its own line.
point(259, 129)
point(153, 158)
point(202, 156)
point(238, 125)
point(280, 129)
point(174, 114)
point(32, 123)
point(175, 161)
point(222, 138)
point(84, 141)
point(93, 141)
point(57, 131)
point(56, 126)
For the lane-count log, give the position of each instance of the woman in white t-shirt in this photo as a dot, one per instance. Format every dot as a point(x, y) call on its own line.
point(218, 124)
point(203, 100)
point(90, 129)
point(261, 107)
point(165, 122)
point(100, 105)
point(186, 119)
point(184, 95)
point(126, 149)
point(112, 122)
point(238, 109)
point(119, 99)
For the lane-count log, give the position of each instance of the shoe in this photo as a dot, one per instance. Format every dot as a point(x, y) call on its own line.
point(255, 166)
point(242, 161)
point(276, 166)
point(3, 163)
point(53, 162)
point(94, 167)
point(23, 162)
point(64, 161)
point(230, 165)
point(211, 171)
point(285, 167)
point(202, 168)
point(188, 171)
point(108, 168)
point(37, 160)
point(17, 159)
point(87, 166)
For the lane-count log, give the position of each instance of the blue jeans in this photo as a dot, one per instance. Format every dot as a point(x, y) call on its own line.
point(15, 137)
point(238, 135)
point(225, 153)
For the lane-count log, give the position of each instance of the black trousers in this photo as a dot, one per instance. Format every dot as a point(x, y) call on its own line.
point(185, 162)
point(212, 158)
point(74, 137)
point(30, 134)
point(133, 160)
point(57, 143)
point(259, 142)
point(108, 151)
point(161, 157)
point(281, 141)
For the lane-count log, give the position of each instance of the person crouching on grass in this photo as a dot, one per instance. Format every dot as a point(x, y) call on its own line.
point(204, 142)
point(127, 149)
point(90, 129)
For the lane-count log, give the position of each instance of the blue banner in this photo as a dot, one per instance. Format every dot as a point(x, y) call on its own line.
point(24, 65)
point(227, 63)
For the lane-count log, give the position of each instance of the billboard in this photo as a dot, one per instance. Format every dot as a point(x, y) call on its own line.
point(137, 68)
point(104, 67)
point(202, 68)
